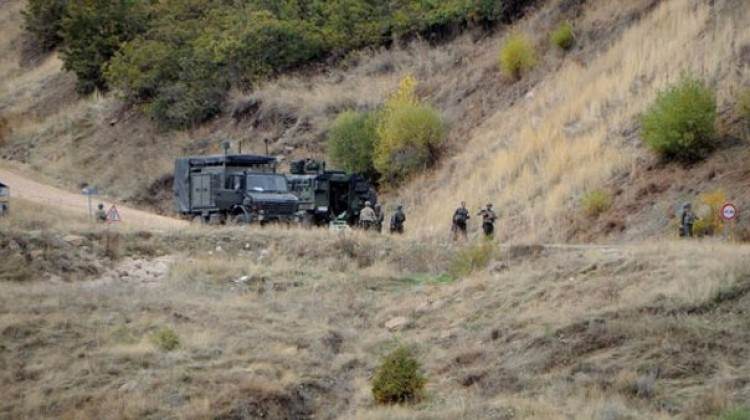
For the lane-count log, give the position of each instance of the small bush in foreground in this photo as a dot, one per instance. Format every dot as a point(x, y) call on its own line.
point(166, 339)
point(517, 56)
point(351, 141)
point(680, 125)
point(471, 259)
point(596, 202)
point(398, 379)
point(563, 36)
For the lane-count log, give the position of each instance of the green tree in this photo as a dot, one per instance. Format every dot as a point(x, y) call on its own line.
point(43, 19)
point(409, 135)
point(93, 31)
point(351, 141)
point(681, 123)
point(399, 378)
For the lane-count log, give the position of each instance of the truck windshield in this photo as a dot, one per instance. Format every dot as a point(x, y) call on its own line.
point(266, 183)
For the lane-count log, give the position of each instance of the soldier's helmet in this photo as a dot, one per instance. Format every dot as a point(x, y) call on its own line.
point(686, 206)
point(100, 206)
point(399, 207)
point(367, 204)
point(489, 205)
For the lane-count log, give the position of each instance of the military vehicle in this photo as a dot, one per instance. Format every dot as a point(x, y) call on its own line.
point(326, 195)
point(232, 189)
point(4, 199)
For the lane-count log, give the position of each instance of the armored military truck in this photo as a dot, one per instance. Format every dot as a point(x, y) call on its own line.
point(232, 189)
point(325, 195)
point(4, 199)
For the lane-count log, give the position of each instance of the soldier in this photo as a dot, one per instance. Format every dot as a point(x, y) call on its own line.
point(488, 221)
point(397, 220)
point(380, 214)
point(367, 217)
point(101, 215)
point(460, 220)
point(687, 220)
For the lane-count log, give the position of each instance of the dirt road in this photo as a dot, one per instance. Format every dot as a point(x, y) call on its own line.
point(23, 187)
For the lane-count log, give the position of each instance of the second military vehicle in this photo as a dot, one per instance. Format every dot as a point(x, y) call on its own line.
point(326, 195)
point(232, 188)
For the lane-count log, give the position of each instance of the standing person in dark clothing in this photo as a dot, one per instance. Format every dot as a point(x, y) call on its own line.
point(397, 220)
point(488, 221)
point(460, 222)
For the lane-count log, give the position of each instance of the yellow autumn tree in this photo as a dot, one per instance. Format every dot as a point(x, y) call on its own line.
point(410, 134)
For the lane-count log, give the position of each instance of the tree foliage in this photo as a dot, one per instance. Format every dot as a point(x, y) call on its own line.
point(517, 56)
point(43, 20)
point(351, 141)
point(409, 134)
point(175, 56)
point(93, 31)
point(399, 378)
point(680, 124)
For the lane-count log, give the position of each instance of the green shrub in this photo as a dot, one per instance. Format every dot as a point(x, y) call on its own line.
point(596, 202)
point(351, 141)
point(517, 56)
point(409, 135)
point(743, 105)
point(398, 379)
point(563, 36)
point(740, 413)
point(93, 31)
point(710, 222)
point(166, 339)
point(472, 258)
point(43, 20)
point(680, 124)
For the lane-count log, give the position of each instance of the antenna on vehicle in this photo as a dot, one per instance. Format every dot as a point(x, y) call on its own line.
point(266, 141)
point(226, 145)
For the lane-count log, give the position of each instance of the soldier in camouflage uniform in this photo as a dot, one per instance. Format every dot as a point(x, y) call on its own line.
point(488, 221)
point(687, 220)
point(367, 217)
point(101, 215)
point(460, 222)
point(380, 214)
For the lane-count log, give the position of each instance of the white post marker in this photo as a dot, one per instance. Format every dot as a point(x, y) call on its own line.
point(113, 216)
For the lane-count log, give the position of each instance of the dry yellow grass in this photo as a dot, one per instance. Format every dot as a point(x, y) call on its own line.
point(569, 138)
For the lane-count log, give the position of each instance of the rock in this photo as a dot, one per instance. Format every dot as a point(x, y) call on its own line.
point(398, 323)
point(14, 246)
point(247, 246)
point(219, 248)
point(288, 149)
point(499, 267)
point(73, 240)
point(37, 253)
point(242, 280)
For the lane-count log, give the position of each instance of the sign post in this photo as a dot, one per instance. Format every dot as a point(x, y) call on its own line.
point(88, 192)
point(729, 214)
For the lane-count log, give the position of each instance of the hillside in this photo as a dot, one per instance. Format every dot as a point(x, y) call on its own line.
point(290, 324)
point(573, 311)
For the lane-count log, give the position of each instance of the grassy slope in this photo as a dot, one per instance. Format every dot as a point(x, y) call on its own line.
point(582, 332)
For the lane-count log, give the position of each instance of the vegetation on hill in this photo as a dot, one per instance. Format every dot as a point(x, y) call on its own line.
point(681, 123)
point(180, 57)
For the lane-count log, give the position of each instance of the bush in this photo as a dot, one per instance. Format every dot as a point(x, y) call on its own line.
point(517, 56)
point(166, 339)
point(563, 36)
point(596, 202)
point(471, 259)
point(351, 141)
point(93, 31)
point(409, 135)
point(398, 379)
point(740, 413)
point(43, 20)
point(680, 124)
point(710, 221)
point(743, 105)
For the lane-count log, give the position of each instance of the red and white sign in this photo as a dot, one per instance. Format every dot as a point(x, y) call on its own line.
point(113, 216)
point(729, 212)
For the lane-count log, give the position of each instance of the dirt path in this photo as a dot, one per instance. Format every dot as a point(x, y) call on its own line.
point(23, 187)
